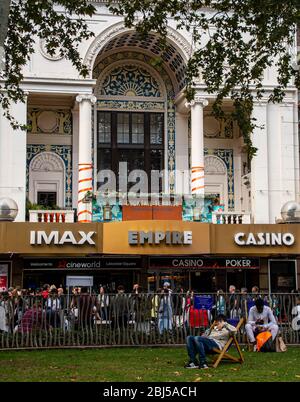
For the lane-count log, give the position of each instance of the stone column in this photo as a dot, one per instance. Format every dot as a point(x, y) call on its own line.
point(85, 167)
point(182, 154)
point(197, 145)
point(259, 166)
point(273, 154)
point(13, 154)
point(75, 150)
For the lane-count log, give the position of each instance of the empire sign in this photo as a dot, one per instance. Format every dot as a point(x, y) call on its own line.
point(54, 237)
point(158, 237)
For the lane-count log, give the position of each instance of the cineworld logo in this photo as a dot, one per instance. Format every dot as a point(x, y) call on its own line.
point(54, 237)
point(264, 239)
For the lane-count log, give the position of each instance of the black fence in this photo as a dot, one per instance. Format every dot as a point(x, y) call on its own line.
point(131, 319)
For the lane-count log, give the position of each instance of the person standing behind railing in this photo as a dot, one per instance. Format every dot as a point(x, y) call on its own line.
point(5, 312)
point(220, 307)
point(120, 309)
point(63, 306)
point(165, 312)
point(18, 304)
point(155, 306)
point(296, 315)
point(32, 319)
point(103, 303)
point(167, 286)
point(244, 300)
point(255, 293)
point(179, 302)
point(188, 305)
point(45, 292)
point(233, 302)
point(53, 309)
point(86, 307)
point(135, 302)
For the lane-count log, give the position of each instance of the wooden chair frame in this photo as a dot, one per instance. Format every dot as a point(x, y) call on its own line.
point(223, 354)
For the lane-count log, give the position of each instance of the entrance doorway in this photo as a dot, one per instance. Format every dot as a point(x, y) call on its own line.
point(203, 281)
point(111, 279)
point(282, 276)
point(242, 279)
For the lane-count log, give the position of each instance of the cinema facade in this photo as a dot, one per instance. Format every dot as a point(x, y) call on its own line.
point(130, 115)
point(192, 255)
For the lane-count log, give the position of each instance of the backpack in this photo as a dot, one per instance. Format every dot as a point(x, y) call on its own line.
point(265, 342)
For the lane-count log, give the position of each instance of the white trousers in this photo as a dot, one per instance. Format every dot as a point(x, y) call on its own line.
point(273, 328)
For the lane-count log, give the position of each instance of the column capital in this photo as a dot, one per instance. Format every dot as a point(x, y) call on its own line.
point(86, 97)
point(260, 102)
point(197, 100)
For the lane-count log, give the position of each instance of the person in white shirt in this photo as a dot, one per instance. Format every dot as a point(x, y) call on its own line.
point(261, 318)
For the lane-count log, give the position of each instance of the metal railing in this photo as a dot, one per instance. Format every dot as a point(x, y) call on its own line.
point(130, 319)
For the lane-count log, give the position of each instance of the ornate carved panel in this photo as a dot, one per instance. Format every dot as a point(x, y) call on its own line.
point(214, 128)
point(54, 57)
point(130, 80)
point(47, 162)
point(214, 165)
point(52, 121)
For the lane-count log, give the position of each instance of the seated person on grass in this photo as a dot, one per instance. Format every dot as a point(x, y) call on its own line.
point(261, 318)
point(215, 338)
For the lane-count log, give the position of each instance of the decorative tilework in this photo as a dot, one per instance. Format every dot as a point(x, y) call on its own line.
point(131, 105)
point(58, 121)
point(151, 44)
point(227, 157)
point(65, 152)
point(171, 144)
point(130, 80)
point(128, 56)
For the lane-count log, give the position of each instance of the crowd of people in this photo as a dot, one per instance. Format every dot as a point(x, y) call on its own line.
point(22, 310)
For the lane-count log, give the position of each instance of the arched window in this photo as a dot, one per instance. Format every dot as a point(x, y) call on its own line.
point(47, 179)
point(134, 132)
point(216, 179)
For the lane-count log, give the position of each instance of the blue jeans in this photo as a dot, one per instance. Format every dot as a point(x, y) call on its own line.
point(201, 345)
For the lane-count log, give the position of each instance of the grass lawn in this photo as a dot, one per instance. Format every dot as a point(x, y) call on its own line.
point(141, 364)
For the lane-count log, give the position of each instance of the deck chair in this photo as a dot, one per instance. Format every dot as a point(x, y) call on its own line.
point(223, 354)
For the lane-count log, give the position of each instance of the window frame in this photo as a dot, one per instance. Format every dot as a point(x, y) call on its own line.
point(146, 147)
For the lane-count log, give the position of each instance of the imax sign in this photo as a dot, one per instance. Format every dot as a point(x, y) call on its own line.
point(54, 237)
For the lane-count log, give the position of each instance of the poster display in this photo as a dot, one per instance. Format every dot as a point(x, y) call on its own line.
point(3, 277)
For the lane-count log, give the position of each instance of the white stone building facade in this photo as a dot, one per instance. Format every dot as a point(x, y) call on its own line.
point(79, 126)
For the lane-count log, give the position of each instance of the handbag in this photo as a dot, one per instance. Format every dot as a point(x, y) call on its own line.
point(73, 313)
point(280, 345)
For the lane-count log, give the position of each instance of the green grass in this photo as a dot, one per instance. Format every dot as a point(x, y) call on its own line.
point(141, 364)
